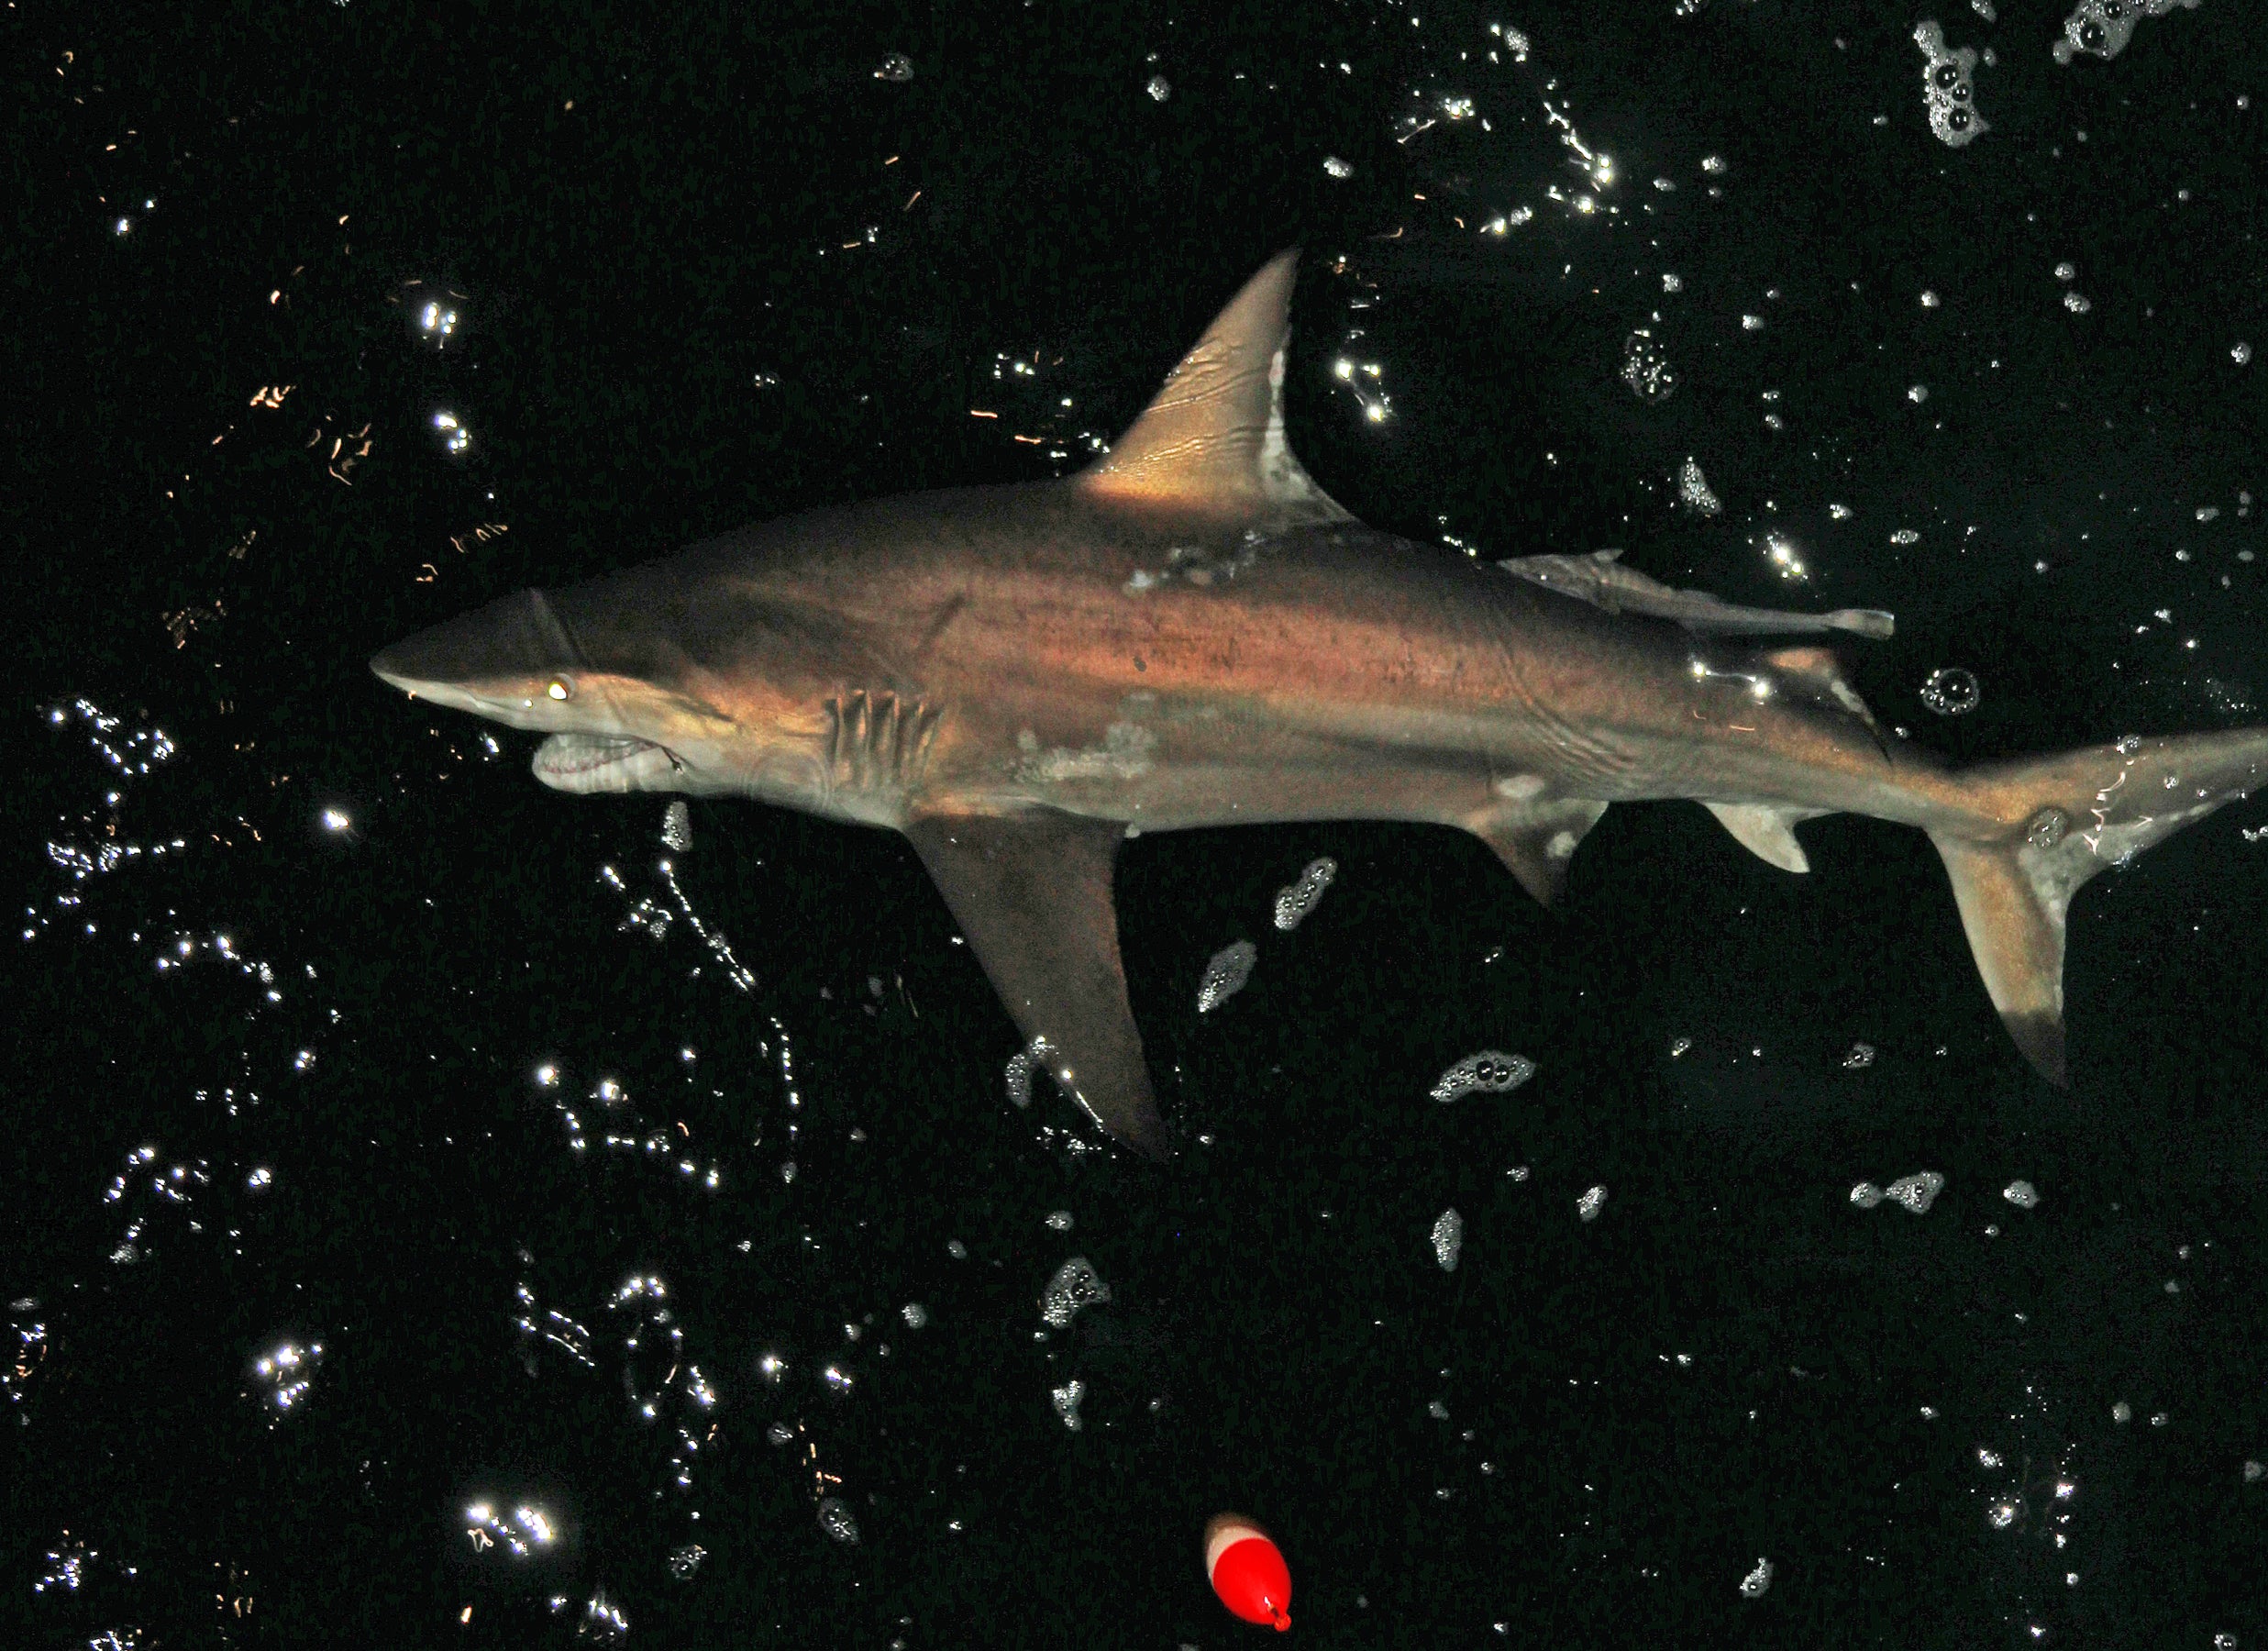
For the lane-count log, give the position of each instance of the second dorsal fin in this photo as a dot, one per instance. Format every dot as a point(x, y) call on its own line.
point(1212, 440)
point(1816, 666)
point(1817, 669)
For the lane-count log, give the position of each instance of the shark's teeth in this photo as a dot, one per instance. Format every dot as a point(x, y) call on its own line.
point(595, 762)
point(582, 753)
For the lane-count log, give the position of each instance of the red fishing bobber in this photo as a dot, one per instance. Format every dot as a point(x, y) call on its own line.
point(1246, 1570)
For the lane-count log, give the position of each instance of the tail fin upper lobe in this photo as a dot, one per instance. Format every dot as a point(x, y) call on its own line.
point(2044, 826)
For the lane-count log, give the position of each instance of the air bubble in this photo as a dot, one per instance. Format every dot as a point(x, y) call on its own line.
point(1075, 1285)
point(1918, 1192)
point(1646, 369)
point(2102, 28)
point(837, 1521)
point(1950, 692)
point(1693, 490)
point(1065, 1401)
point(1448, 1239)
point(1946, 89)
point(1861, 1057)
point(1295, 900)
point(1226, 974)
point(1491, 1071)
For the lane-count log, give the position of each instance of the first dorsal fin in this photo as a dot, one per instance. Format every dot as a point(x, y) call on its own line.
point(1213, 441)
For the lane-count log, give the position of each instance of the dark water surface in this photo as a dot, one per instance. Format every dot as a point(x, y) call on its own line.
point(338, 1273)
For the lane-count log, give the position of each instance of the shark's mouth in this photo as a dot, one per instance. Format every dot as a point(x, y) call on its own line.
point(595, 762)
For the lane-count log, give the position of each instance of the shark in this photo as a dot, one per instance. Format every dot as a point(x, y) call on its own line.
point(1191, 633)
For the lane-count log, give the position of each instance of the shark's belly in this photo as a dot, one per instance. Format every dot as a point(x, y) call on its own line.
point(1158, 765)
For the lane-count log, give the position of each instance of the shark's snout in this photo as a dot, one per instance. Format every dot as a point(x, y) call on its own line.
point(391, 666)
point(515, 635)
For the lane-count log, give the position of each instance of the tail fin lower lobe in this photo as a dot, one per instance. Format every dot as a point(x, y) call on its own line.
point(2040, 828)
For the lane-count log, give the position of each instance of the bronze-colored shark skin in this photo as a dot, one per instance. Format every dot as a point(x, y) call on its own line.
point(1191, 634)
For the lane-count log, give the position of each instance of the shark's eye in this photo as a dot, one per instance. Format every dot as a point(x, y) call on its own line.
point(561, 688)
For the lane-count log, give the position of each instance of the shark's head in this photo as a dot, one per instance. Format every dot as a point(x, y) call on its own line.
point(642, 681)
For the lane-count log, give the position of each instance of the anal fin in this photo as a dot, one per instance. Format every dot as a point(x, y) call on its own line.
point(1768, 830)
point(1032, 892)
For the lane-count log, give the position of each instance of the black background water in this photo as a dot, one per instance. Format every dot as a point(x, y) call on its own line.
point(707, 267)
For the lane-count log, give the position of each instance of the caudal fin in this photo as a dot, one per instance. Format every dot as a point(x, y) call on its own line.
point(2040, 828)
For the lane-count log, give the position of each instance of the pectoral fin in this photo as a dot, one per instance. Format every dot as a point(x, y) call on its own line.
point(1536, 839)
point(1032, 892)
